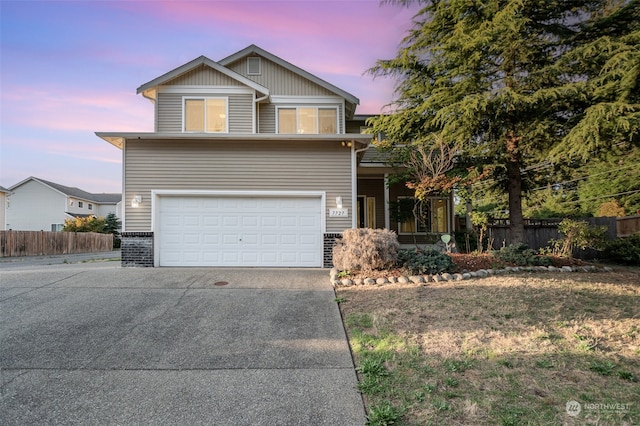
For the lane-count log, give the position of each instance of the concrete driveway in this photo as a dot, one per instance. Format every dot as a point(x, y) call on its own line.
point(100, 344)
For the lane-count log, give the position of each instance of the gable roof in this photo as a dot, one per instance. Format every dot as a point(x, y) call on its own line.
point(5, 190)
point(255, 50)
point(148, 89)
point(103, 198)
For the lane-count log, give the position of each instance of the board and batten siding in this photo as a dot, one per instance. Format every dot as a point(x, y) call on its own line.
point(279, 80)
point(235, 165)
point(204, 76)
point(169, 111)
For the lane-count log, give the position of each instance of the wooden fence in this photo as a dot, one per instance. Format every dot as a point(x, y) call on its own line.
point(538, 232)
point(40, 243)
point(627, 226)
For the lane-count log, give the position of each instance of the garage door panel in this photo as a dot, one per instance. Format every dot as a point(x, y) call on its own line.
point(269, 239)
point(288, 221)
point(191, 239)
point(211, 239)
point(210, 221)
point(249, 221)
point(289, 239)
point(210, 257)
point(239, 231)
point(230, 239)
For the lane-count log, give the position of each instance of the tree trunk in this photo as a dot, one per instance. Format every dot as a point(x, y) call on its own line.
point(514, 189)
point(469, 209)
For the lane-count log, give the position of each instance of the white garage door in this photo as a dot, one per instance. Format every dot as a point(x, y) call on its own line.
point(239, 231)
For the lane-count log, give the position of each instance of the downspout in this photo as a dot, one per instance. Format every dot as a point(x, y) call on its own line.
point(354, 181)
point(256, 113)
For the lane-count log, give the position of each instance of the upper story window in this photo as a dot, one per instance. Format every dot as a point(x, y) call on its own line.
point(90, 206)
point(205, 115)
point(80, 204)
point(308, 120)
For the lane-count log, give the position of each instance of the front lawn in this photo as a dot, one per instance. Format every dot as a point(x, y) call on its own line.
point(501, 350)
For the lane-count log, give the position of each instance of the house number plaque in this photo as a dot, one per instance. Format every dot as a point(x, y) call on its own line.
point(338, 212)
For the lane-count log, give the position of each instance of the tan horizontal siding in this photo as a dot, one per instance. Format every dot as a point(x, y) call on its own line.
point(218, 165)
point(169, 112)
point(241, 113)
point(279, 80)
point(267, 118)
point(204, 76)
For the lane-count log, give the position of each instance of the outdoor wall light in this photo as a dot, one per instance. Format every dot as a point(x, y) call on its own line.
point(135, 201)
point(339, 202)
point(346, 143)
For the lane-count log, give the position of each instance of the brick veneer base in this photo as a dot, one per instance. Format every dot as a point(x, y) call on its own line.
point(137, 249)
point(329, 241)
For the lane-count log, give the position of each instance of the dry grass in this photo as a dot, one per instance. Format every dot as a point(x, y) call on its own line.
point(502, 350)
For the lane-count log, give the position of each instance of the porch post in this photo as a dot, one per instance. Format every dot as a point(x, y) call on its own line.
point(387, 220)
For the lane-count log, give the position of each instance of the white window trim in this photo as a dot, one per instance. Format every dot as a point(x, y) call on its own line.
point(204, 98)
point(317, 107)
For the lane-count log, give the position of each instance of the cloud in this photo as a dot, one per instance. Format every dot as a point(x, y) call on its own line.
point(58, 108)
point(331, 39)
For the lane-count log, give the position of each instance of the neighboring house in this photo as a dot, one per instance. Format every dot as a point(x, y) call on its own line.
point(4, 192)
point(39, 205)
point(252, 162)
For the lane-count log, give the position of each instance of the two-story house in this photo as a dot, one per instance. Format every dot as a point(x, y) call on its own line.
point(40, 205)
point(252, 162)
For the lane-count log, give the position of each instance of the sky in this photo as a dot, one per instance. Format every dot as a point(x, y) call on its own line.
point(71, 68)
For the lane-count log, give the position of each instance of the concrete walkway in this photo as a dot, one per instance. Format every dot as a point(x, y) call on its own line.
point(93, 343)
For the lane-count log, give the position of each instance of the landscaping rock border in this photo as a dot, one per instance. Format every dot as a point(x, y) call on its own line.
point(334, 275)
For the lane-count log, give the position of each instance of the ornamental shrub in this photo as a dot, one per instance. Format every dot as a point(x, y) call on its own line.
point(521, 255)
point(425, 262)
point(366, 249)
point(624, 250)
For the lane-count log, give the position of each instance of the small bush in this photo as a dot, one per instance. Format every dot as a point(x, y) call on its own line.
point(521, 255)
point(624, 250)
point(466, 241)
point(425, 262)
point(578, 235)
point(365, 249)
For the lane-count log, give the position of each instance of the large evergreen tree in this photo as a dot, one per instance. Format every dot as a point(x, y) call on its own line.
point(506, 83)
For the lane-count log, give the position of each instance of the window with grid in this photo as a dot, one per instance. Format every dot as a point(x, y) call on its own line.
point(433, 217)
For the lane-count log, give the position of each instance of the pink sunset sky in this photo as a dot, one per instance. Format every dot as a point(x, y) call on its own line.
point(71, 68)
